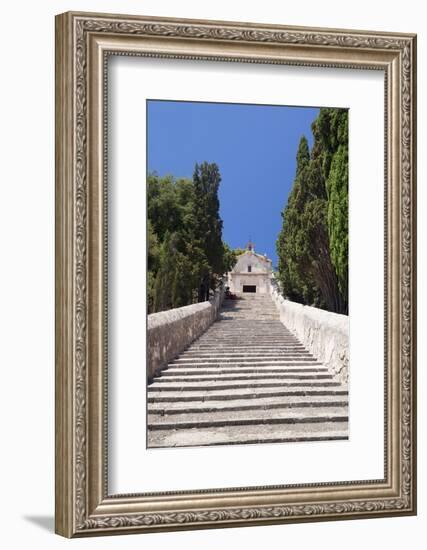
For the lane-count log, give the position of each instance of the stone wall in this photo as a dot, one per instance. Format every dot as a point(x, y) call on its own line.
point(171, 332)
point(324, 334)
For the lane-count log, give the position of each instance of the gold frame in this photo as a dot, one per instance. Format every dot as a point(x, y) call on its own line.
point(83, 43)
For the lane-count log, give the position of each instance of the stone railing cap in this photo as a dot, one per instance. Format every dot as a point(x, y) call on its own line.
point(171, 315)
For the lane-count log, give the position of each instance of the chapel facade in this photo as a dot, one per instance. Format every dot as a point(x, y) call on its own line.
point(251, 273)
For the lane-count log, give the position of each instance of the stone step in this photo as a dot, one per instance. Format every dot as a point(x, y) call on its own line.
point(245, 334)
point(247, 379)
point(283, 360)
point(240, 370)
point(254, 325)
point(242, 326)
point(258, 365)
point(245, 308)
point(260, 403)
point(247, 303)
point(260, 331)
point(239, 344)
point(158, 386)
point(260, 307)
point(247, 311)
point(261, 357)
point(247, 349)
point(239, 394)
point(250, 309)
point(229, 310)
point(232, 351)
point(249, 324)
point(244, 342)
point(243, 304)
point(224, 338)
point(218, 354)
point(251, 313)
point(242, 331)
point(234, 342)
point(164, 378)
point(227, 321)
point(279, 345)
point(249, 346)
point(253, 316)
point(248, 338)
point(225, 358)
point(264, 433)
point(254, 306)
point(246, 418)
point(245, 299)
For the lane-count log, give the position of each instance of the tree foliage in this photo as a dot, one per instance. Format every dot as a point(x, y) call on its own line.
point(230, 257)
point(313, 243)
point(186, 255)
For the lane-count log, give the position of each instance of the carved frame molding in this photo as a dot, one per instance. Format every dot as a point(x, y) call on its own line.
point(83, 43)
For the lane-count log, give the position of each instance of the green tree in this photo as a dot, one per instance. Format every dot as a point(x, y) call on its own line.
point(337, 188)
point(181, 283)
point(163, 295)
point(208, 225)
point(186, 255)
point(153, 261)
point(312, 245)
point(230, 258)
point(163, 209)
point(293, 246)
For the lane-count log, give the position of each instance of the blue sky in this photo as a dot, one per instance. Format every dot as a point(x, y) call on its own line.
point(255, 148)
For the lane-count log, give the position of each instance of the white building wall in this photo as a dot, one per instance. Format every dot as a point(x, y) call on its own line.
point(259, 274)
point(259, 264)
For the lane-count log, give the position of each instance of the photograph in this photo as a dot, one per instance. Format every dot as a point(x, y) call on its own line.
point(235, 271)
point(247, 273)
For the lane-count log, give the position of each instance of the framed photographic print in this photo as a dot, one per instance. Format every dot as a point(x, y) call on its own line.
point(235, 274)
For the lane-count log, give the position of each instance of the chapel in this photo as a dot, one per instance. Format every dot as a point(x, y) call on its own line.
point(251, 273)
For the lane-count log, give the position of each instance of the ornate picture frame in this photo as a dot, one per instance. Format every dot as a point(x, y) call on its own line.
point(84, 42)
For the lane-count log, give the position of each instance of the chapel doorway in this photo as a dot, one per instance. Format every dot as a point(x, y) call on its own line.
point(249, 288)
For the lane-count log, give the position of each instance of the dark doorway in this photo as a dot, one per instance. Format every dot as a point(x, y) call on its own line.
point(249, 288)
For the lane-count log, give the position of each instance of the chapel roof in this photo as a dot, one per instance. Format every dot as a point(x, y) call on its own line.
point(251, 251)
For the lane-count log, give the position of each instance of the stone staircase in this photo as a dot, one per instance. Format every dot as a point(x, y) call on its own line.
point(247, 379)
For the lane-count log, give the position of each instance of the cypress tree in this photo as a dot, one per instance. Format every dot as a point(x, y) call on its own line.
point(208, 225)
point(312, 245)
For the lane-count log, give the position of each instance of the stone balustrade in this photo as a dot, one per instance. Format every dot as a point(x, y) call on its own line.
point(171, 332)
point(324, 334)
